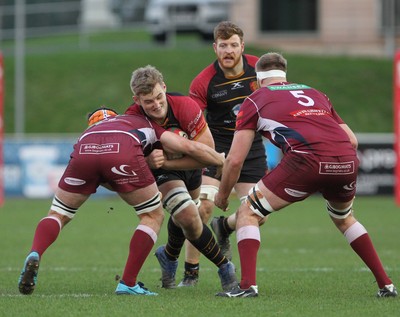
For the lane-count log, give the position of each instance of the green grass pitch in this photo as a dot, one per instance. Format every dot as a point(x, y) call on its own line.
point(305, 266)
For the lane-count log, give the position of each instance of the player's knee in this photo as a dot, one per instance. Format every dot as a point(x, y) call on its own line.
point(339, 213)
point(149, 205)
point(153, 219)
point(206, 210)
point(257, 203)
point(176, 200)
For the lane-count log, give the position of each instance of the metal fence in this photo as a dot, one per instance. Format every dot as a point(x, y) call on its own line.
point(64, 17)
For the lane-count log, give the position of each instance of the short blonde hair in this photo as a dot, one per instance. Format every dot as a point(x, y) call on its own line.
point(144, 79)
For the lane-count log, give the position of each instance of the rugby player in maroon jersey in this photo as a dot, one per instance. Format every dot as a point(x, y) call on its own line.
point(319, 155)
point(111, 153)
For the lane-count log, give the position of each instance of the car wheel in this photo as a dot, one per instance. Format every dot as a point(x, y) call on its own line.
point(160, 38)
point(207, 36)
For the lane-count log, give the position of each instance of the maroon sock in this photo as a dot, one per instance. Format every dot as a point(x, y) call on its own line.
point(248, 249)
point(364, 248)
point(46, 233)
point(139, 248)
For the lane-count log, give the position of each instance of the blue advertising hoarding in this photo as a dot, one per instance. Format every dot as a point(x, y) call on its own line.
point(34, 165)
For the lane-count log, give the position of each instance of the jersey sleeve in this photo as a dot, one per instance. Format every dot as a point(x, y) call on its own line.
point(189, 116)
point(251, 59)
point(158, 129)
point(198, 94)
point(199, 86)
point(134, 109)
point(199, 125)
point(335, 115)
point(247, 117)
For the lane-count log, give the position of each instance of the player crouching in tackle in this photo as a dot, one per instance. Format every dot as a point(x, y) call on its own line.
point(111, 152)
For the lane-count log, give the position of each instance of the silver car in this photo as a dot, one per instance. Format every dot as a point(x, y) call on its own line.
point(165, 17)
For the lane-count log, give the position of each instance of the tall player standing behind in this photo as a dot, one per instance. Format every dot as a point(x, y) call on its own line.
point(220, 89)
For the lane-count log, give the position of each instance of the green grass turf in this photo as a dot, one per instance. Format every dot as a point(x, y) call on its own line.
point(305, 267)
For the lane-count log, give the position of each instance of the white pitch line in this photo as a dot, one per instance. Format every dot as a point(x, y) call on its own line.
point(57, 296)
point(207, 269)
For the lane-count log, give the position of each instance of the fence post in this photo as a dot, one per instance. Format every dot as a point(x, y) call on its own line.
point(396, 94)
point(1, 130)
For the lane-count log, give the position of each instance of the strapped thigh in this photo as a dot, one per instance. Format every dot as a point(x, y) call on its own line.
point(176, 200)
point(339, 213)
point(61, 208)
point(208, 192)
point(258, 203)
point(149, 205)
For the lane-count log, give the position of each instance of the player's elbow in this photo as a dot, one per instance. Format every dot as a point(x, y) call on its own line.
point(354, 143)
point(353, 140)
point(233, 162)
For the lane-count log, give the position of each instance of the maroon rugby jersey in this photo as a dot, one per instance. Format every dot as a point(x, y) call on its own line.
point(295, 117)
point(142, 130)
point(183, 113)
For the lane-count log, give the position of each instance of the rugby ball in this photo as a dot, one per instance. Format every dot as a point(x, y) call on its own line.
point(178, 131)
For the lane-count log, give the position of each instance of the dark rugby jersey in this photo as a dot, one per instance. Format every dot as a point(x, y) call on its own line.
point(221, 98)
point(183, 113)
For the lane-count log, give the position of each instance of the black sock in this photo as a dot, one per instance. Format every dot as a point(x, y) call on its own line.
point(192, 269)
point(176, 239)
point(225, 226)
point(207, 245)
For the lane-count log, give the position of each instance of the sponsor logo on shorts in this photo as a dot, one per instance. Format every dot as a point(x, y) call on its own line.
point(93, 148)
point(161, 177)
point(130, 180)
point(342, 168)
point(295, 193)
point(123, 170)
point(74, 181)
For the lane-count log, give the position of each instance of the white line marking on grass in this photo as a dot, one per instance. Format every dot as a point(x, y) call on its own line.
point(64, 269)
point(321, 269)
point(203, 269)
point(56, 296)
